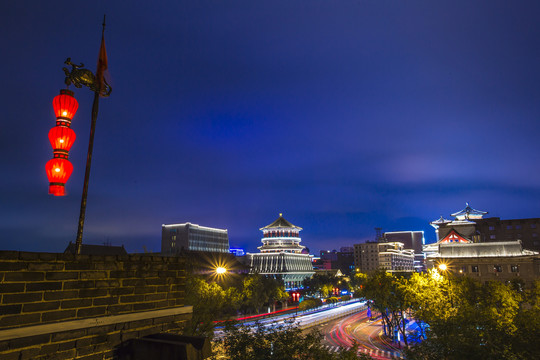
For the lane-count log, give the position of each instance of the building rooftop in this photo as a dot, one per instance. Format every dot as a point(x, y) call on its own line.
point(469, 213)
point(281, 223)
point(440, 221)
point(489, 249)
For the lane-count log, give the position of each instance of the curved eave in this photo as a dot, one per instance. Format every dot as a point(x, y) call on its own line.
point(281, 223)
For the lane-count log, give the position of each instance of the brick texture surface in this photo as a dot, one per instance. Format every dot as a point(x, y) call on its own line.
point(40, 288)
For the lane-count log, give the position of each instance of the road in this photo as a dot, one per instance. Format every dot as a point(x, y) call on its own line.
point(341, 325)
point(343, 332)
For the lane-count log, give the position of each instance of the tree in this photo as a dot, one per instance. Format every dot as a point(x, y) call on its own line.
point(259, 290)
point(210, 302)
point(278, 342)
point(321, 284)
point(386, 294)
point(471, 320)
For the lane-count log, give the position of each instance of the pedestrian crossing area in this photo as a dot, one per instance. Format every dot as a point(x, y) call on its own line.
point(371, 352)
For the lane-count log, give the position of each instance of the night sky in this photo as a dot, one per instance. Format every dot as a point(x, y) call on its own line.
point(342, 115)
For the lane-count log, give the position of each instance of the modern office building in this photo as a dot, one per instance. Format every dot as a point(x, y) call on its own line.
point(413, 240)
point(366, 256)
point(389, 256)
point(281, 254)
point(334, 260)
point(176, 238)
point(393, 257)
point(525, 230)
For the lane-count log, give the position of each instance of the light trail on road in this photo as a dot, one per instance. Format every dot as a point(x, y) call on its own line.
point(358, 329)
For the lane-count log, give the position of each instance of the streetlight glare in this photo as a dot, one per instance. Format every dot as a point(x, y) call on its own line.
point(443, 267)
point(221, 270)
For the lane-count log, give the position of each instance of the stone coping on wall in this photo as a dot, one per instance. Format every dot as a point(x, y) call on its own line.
point(91, 322)
point(48, 256)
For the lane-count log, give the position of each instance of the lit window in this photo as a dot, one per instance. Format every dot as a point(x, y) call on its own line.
point(508, 227)
point(492, 237)
point(474, 268)
point(497, 268)
point(518, 227)
point(491, 228)
point(514, 268)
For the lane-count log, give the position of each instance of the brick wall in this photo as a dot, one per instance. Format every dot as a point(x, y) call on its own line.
point(140, 295)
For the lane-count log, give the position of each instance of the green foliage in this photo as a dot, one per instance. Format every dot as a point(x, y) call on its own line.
point(210, 302)
point(278, 343)
point(358, 281)
point(259, 290)
point(322, 284)
point(332, 300)
point(346, 298)
point(471, 320)
point(386, 293)
point(309, 304)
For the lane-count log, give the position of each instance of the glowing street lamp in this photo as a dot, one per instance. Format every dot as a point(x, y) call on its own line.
point(443, 267)
point(221, 270)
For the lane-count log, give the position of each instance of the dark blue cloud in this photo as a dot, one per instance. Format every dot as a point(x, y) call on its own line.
point(344, 117)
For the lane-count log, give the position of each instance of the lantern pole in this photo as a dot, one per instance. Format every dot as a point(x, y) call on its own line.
point(95, 107)
point(103, 91)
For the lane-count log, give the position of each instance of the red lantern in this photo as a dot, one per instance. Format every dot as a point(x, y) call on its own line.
point(65, 106)
point(61, 139)
point(58, 171)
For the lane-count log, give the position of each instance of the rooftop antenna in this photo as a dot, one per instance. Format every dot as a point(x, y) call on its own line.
point(378, 234)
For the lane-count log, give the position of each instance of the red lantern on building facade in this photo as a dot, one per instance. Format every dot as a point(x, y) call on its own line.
point(59, 168)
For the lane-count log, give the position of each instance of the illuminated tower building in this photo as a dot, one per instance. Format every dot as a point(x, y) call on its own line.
point(281, 254)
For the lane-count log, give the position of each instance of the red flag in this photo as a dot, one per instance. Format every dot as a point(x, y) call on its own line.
point(102, 86)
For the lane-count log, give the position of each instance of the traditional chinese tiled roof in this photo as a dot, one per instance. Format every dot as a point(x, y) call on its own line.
point(488, 249)
point(469, 213)
point(441, 220)
point(280, 223)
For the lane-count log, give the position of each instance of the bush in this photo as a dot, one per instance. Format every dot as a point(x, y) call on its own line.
point(309, 304)
point(346, 297)
point(332, 300)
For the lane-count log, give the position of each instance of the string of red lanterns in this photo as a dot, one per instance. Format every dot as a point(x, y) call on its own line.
point(62, 137)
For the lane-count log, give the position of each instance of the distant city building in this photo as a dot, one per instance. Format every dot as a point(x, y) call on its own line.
point(237, 251)
point(411, 240)
point(366, 256)
point(281, 254)
point(317, 263)
point(393, 257)
point(495, 229)
point(342, 260)
point(389, 256)
point(176, 238)
point(470, 225)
